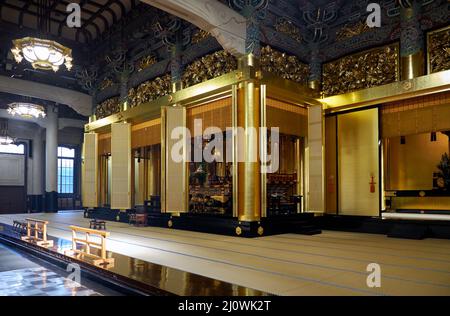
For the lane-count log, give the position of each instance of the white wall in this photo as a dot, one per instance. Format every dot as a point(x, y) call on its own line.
point(12, 169)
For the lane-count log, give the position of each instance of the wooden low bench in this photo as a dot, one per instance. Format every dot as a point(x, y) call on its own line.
point(86, 242)
point(20, 227)
point(37, 232)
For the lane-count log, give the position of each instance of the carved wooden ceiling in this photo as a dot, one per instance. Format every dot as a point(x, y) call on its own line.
point(289, 25)
point(97, 16)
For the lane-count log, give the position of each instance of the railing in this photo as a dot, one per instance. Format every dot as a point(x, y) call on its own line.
point(87, 243)
point(37, 232)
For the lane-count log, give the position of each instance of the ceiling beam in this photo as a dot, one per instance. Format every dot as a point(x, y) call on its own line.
point(225, 24)
point(80, 102)
point(101, 9)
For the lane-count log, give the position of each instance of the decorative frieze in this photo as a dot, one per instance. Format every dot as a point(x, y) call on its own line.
point(439, 50)
point(149, 90)
point(286, 66)
point(367, 69)
point(107, 107)
point(208, 67)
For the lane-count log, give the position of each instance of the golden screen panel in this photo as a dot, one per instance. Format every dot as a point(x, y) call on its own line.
point(120, 166)
point(90, 170)
point(358, 161)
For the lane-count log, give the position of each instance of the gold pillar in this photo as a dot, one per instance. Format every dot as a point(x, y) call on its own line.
point(248, 116)
point(314, 84)
point(412, 66)
point(249, 175)
point(153, 171)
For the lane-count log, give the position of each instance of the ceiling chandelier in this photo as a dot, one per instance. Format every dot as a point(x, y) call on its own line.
point(27, 110)
point(42, 53)
point(5, 139)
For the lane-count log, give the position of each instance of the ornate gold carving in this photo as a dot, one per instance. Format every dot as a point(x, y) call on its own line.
point(287, 27)
point(199, 36)
point(145, 62)
point(348, 31)
point(286, 66)
point(439, 50)
point(367, 69)
point(106, 84)
point(208, 67)
point(107, 107)
point(238, 230)
point(149, 90)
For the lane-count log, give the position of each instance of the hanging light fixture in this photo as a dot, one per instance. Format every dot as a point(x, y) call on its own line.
point(26, 110)
point(5, 139)
point(42, 53)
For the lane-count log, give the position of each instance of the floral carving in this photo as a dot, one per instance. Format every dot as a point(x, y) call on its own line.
point(371, 68)
point(149, 90)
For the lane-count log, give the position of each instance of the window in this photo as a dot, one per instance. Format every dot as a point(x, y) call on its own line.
point(66, 160)
point(12, 149)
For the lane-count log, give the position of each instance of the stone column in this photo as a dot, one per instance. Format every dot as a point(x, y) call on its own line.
point(51, 160)
point(412, 42)
point(37, 181)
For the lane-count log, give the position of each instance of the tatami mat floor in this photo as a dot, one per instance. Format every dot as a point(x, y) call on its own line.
point(332, 263)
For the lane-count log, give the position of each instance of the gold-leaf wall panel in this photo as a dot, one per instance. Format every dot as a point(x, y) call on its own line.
point(367, 69)
point(149, 90)
point(107, 107)
point(439, 50)
point(286, 66)
point(208, 67)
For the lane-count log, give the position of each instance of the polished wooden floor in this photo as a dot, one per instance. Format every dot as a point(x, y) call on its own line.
point(332, 263)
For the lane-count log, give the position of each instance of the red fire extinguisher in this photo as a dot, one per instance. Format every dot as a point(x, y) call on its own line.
point(372, 184)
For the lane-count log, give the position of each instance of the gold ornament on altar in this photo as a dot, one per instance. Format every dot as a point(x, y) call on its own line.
point(149, 90)
point(439, 50)
point(348, 31)
point(283, 65)
point(367, 69)
point(146, 62)
point(107, 107)
point(208, 67)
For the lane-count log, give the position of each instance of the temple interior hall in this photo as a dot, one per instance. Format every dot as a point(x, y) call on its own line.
point(224, 148)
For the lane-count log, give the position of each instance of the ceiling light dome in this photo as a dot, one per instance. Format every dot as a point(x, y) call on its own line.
point(41, 53)
point(27, 110)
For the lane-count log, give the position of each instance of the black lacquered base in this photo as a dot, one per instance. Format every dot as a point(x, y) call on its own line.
point(399, 228)
point(302, 223)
